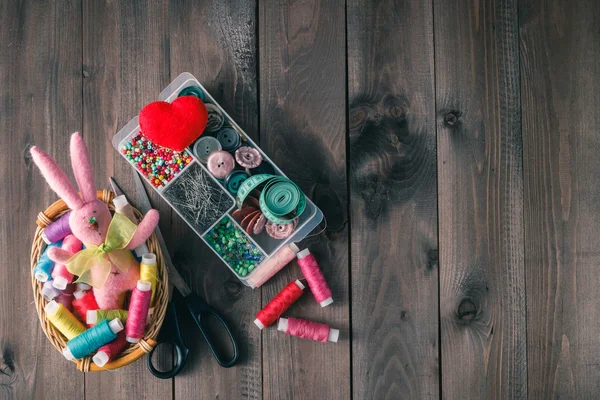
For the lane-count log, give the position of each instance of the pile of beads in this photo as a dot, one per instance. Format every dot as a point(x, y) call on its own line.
point(159, 164)
point(234, 247)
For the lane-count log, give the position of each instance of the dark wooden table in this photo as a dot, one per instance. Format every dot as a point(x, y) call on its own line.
point(452, 145)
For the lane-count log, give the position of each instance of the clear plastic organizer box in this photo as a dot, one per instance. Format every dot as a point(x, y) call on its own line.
point(263, 245)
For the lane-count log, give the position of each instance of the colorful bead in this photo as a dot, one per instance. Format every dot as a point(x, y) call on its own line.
point(149, 159)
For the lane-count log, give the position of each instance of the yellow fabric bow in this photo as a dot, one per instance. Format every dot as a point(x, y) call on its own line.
point(94, 258)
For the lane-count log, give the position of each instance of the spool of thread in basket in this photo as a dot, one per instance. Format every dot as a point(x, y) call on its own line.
point(63, 320)
point(308, 330)
point(123, 207)
point(92, 339)
point(60, 274)
point(48, 291)
point(57, 230)
point(273, 265)
point(44, 267)
point(138, 311)
point(111, 350)
point(316, 281)
point(281, 302)
point(94, 317)
point(84, 302)
point(65, 297)
point(149, 272)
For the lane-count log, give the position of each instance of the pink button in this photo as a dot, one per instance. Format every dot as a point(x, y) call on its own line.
point(220, 163)
point(248, 157)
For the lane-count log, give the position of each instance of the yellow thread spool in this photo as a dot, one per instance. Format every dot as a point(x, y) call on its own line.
point(149, 272)
point(63, 320)
point(94, 317)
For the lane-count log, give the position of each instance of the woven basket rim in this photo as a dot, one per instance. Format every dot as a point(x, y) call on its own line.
point(133, 351)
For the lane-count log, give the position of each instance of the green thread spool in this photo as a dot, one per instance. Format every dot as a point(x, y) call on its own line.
point(94, 317)
point(92, 339)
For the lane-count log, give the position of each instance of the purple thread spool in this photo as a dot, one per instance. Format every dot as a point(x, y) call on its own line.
point(57, 230)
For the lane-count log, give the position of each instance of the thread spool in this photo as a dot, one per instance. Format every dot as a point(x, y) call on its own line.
point(308, 330)
point(273, 265)
point(84, 302)
point(57, 230)
point(94, 317)
point(63, 320)
point(281, 302)
point(44, 267)
point(92, 339)
point(109, 351)
point(60, 274)
point(123, 207)
point(316, 281)
point(49, 292)
point(149, 272)
point(84, 287)
point(65, 297)
point(138, 311)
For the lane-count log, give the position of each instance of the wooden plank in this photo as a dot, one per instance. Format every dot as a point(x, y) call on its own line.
point(125, 66)
point(560, 66)
point(40, 104)
point(302, 120)
point(482, 291)
point(215, 41)
point(393, 213)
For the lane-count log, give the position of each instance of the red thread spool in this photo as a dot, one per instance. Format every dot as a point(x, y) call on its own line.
point(308, 330)
point(138, 311)
point(316, 281)
point(281, 302)
point(84, 302)
point(109, 351)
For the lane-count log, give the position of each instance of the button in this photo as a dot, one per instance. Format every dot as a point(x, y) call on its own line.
point(264, 168)
point(248, 157)
point(215, 118)
point(220, 163)
point(229, 138)
point(205, 146)
point(192, 91)
point(234, 180)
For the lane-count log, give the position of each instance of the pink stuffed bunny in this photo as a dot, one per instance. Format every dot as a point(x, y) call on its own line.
point(90, 219)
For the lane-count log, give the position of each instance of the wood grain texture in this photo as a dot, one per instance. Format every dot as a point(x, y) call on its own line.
point(482, 291)
point(393, 213)
point(125, 66)
point(40, 104)
point(216, 42)
point(302, 105)
point(560, 70)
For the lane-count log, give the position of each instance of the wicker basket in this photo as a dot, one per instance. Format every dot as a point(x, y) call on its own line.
point(132, 352)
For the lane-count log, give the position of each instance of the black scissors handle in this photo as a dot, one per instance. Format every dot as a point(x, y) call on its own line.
point(171, 334)
point(199, 308)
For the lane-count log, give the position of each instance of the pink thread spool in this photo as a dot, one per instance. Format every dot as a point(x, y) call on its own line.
point(109, 351)
point(316, 281)
point(138, 311)
point(273, 265)
point(57, 230)
point(308, 330)
point(60, 274)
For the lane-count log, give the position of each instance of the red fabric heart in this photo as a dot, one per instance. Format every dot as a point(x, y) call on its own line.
point(174, 125)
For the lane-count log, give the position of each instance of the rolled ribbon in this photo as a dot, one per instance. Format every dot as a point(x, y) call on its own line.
point(99, 258)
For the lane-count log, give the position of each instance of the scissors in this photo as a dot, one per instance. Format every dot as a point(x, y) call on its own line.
point(170, 332)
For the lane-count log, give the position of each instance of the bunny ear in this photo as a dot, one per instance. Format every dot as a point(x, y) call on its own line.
point(56, 178)
point(82, 168)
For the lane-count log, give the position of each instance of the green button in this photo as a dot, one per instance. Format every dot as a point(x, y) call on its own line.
point(235, 180)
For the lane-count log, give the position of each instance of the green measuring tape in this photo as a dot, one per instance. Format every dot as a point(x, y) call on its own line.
point(281, 200)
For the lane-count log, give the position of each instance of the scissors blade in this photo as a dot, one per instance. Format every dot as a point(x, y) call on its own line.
point(143, 202)
point(115, 188)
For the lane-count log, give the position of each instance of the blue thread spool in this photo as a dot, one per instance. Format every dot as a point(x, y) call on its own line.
point(92, 339)
point(43, 268)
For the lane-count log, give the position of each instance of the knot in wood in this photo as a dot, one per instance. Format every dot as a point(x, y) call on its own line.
point(451, 119)
point(467, 311)
point(233, 289)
